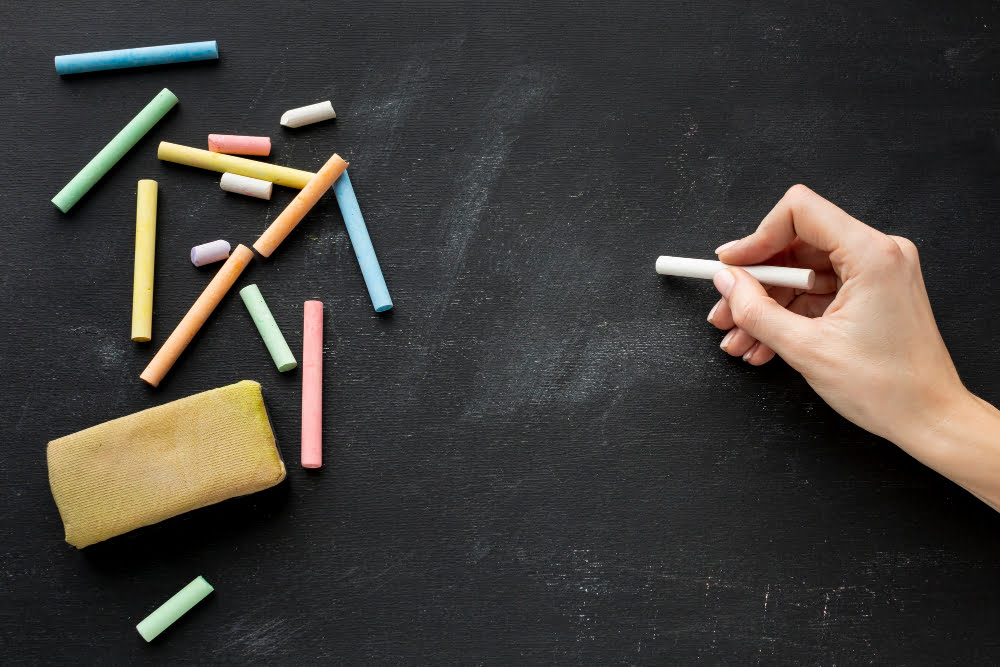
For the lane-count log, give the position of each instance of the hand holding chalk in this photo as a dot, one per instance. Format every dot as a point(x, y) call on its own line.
point(870, 349)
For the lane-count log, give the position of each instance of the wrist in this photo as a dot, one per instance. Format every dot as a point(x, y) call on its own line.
point(959, 437)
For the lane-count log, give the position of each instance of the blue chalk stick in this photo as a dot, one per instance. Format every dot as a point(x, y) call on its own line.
point(362, 243)
point(141, 57)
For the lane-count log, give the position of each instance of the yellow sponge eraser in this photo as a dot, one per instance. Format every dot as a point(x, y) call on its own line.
point(141, 469)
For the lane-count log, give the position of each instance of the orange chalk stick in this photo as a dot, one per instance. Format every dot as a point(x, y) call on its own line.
point(297, 209)
point(178, 341)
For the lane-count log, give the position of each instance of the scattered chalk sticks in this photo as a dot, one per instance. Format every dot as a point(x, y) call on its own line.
point(312, 384)
point(268, 328)
point(96, 61)
point(206, 253)
point(362, 243)
point(308, 115)
point(167, 613)
point(115, 150)
point(778, 276)
point(288, 219)
point(237, 144)
point(244, 185)
point(145, 256)
point(196, 316)
point(195, 157)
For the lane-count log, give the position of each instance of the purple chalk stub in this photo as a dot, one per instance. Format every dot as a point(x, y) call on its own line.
point(206, 253)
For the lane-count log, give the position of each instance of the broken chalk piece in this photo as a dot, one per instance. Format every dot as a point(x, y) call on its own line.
point(312, 384)
point(115, 150)
point(206, 253)
point(145, 256)
point(238, 144)
point(287, 220)
point(196, 157)
point(191, 323)
point(244, 185)
point(268, 328)
point(362, 243)
point(307, 115)
point(181, 603)
point(97, 61)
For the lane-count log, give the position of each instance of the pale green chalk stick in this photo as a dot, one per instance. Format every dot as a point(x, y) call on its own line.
point(268, 328)
point(168, 612)
point(115, 150)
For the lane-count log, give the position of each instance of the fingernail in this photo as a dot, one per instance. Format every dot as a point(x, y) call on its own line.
point(711, 313)
point(724, 281)
point(746, 357)
point(727, 338)
point(726, 246)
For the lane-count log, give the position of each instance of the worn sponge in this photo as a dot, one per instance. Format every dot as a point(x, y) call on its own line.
point(158, 463)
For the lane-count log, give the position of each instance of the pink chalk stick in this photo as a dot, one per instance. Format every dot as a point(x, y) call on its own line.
point(312, 385)
point(236, 144)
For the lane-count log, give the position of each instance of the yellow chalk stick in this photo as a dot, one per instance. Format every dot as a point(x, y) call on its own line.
point(145, 254)
point(195, 157)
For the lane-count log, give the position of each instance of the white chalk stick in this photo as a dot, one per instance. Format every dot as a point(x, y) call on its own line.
point(779, 276)
point(206, 253)
point(310, 114)
point(244, 185)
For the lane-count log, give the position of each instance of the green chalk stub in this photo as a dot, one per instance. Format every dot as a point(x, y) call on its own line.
point(268, 328)
point(168, 612)
point(115, 150)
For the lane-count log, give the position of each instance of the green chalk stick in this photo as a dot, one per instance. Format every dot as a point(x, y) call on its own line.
point(268, 328)
point(168, 612)
point(115, 150)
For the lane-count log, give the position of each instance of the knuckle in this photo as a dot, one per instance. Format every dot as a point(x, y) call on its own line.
point(907, 247)
point(886, 253)
point(798, 192)
point(749, 314)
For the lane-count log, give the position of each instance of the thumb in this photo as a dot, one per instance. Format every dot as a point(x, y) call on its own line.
point(762, 317)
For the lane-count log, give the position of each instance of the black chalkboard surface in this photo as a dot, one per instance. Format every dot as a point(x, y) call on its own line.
point(540, 454)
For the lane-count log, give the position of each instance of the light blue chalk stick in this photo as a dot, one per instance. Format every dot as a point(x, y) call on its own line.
point(141, 57)
point(362, 243)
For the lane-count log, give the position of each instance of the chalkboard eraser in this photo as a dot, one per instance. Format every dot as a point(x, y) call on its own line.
point(149, 466)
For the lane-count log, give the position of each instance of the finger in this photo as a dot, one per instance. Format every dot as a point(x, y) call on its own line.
point(763, 318)
point(827, 282)
point(737, 342)
point(722, 317)
point(801, 254)
point(782, 295)
point(759, 355)
point(801, 213)
point(715, 317)
point(811, 305)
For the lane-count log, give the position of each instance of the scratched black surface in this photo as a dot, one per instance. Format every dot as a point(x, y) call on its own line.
point(540, 455)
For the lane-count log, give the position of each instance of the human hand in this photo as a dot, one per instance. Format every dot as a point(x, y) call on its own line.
point(871, 349)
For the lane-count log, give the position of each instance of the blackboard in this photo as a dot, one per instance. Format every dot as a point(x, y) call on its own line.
point(540, 454)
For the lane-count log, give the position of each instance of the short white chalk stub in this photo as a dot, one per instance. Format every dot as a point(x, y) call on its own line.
point(206, 253)
point(778, 276)
point(313, 113)
point(244, 185)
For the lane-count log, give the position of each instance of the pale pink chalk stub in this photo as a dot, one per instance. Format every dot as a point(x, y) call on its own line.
point(206, 253)
point(244, 185)
point(312, 385)
point(238, 144)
